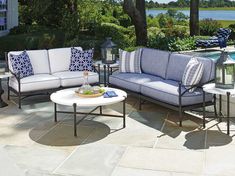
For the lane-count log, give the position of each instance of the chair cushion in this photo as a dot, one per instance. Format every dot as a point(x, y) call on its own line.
point(38, 59)
point(130, 61)
point(59, 59)
point(167, 91)
point(81, 60)
point(178, 63)
point(75, 78)
point(35, 82)
point(21, 64)
point(131, 81)
point(154, 62)
point(192, 73)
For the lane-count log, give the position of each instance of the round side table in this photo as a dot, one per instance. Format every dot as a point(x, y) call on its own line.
point(210, 88)
point(6, 75)
point(107, 69)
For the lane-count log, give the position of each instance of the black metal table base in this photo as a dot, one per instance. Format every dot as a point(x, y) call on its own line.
point(75, 113)
point(220, 115)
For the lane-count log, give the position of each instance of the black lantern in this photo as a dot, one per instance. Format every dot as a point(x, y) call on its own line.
point(225, 71)
point(108, 51)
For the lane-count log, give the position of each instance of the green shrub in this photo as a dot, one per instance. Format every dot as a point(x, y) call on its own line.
point(232, 27)
point(165, 21)
point(209, 26)
point(121, 36)
point(184, 44)
point(176, 31)
point(110, 19)
point(160, 41)
point(29, 41)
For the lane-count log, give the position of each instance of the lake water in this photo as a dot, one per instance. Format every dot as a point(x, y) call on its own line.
point(214, 14)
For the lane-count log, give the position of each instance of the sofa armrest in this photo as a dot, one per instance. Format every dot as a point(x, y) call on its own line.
point(198, 86)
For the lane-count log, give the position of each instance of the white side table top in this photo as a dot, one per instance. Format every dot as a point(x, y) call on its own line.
point(96, 63)
point(68, 97)
point(5, 75)
point(210, 88)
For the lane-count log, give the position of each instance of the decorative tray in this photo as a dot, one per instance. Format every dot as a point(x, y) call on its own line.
point(89, 95)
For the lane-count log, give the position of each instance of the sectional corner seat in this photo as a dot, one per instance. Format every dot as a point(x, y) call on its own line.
point(160, 81)
point(51, 71)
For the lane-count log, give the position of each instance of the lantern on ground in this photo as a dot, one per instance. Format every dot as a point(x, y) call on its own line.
point(108, 51)
point(225, 71)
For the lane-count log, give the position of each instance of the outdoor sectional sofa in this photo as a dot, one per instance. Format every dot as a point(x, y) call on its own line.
point(160, 81)
point(51, 72)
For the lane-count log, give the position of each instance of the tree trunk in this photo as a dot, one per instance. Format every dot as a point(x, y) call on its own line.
point(194, 17)
point(137, 14)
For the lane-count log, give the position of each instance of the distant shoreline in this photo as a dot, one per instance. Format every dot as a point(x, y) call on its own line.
point(187, 8)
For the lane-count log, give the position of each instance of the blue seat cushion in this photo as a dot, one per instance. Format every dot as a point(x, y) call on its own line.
point(131, 81)
point(167, 91)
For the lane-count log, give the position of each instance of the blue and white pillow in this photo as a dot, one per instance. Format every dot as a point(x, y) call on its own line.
point(192, 74)
point(21, 64)
point(81, 60)
point(130, 61)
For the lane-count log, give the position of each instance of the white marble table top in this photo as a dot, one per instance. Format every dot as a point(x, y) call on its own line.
point(210, 88)
point(68, 97)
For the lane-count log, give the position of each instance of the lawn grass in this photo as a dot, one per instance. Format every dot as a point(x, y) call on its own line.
point(202, 9)
point(226, 23)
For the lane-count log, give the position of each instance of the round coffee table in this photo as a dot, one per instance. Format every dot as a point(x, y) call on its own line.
point(67, 97)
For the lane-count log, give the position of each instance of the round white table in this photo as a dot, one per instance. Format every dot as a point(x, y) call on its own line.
point(210, 88)
point(67, 97)
point(2, 76)
point(107, 68)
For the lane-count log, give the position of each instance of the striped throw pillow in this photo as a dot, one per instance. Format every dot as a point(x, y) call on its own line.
point(192, 73)
point(130, 61)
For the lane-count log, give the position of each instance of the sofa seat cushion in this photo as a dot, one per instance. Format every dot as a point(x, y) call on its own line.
point(167, 91)
point(35, 82)
point(131, 81)
point(75, 78)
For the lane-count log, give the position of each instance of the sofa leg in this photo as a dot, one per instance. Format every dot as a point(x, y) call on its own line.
point(180, 116)
point(140, 104)
point(19, 100)
point(8, 93)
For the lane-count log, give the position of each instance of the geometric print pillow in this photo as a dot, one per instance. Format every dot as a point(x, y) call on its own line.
point(130, 61)
point(192, 73)
point(81, 60)
point(21, 64)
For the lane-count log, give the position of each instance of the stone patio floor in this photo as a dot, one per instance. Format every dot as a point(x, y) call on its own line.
point(152, 144)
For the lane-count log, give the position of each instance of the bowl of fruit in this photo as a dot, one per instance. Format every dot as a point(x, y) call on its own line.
point(90, 92)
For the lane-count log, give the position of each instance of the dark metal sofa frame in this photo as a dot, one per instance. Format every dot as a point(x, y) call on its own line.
point(180, 108)
point(23, 95)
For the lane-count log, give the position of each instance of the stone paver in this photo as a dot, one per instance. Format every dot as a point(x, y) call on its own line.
point(93, 159)
point(151, 144)
point(163, 160)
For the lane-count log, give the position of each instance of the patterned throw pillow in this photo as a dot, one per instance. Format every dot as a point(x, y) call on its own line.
point(21, 64)
point(192, 73)
point(130, 61)
point(81, 60)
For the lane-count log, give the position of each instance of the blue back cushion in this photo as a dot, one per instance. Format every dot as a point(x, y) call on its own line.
point(154, 62)
point(177, 65)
